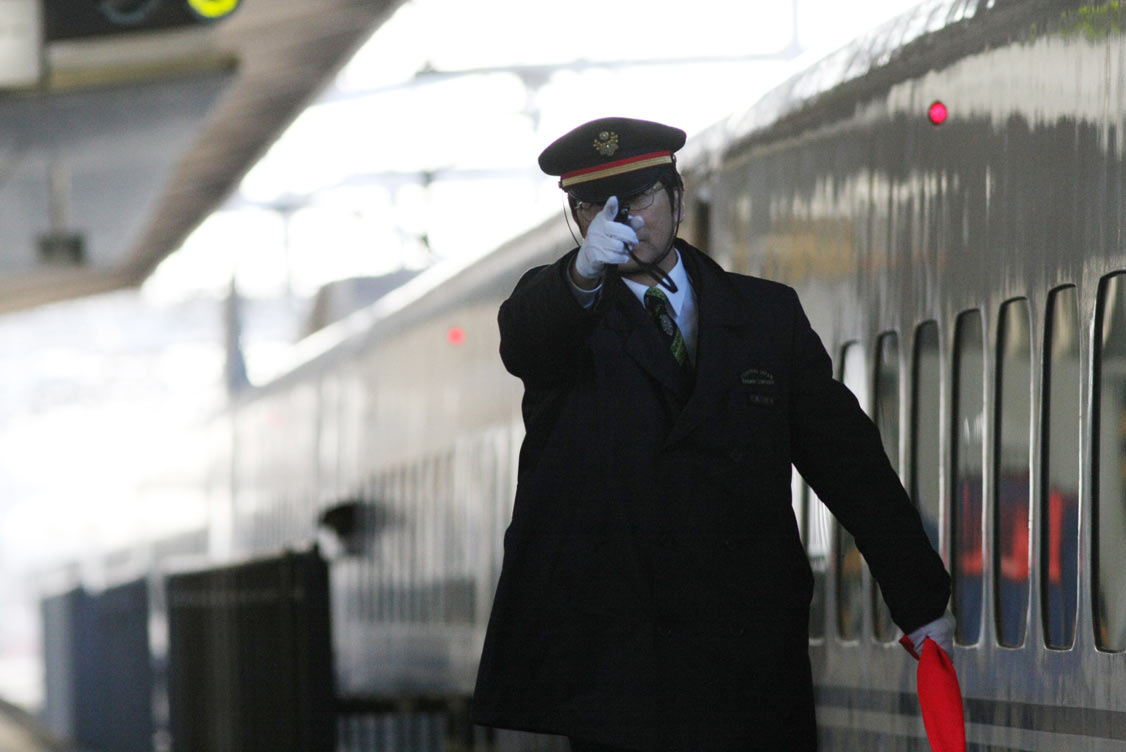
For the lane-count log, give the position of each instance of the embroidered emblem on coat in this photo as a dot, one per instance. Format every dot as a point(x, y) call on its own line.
point(761, 383)
point(757, 377)
point(606, 143)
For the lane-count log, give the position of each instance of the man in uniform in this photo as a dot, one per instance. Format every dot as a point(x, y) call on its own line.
point(655, 592)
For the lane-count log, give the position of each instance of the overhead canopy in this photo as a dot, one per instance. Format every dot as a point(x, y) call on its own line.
point(132, 140)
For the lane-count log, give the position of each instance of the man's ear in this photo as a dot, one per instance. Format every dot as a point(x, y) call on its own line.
point(582, 230)
point(572, 207)
point(579, 223)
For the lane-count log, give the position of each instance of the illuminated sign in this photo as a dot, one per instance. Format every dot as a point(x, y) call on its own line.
point(81, 19)
point(212, 9)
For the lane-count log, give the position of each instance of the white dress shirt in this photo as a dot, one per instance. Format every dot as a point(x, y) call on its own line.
point(682, 302)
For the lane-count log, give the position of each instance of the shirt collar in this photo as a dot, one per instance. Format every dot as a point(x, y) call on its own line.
point(678, 275)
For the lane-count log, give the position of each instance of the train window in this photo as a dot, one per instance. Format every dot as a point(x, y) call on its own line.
point(887, 420)
point(742, 238)
point(399, 548)
point(369, 574)
point(1012, 535)
point(813, 519)
point(1059, 528)
point(382, 493)
point(850, 565)
point(966, 508)
point(817, 527)
point(925, 436)
point(797, 501)
point(1109, 511)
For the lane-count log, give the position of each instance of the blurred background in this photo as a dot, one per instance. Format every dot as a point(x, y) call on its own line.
point(181, 204)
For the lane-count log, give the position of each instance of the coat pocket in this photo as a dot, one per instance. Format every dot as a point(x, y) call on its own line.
point(764, 419)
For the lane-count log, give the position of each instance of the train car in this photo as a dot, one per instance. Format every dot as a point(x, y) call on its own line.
point(952, 220)
point(947, 196)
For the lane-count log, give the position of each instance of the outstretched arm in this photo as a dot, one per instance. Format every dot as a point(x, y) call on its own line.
point(837, 449)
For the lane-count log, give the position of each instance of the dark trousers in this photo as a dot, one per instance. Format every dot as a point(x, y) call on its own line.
point(581, 745)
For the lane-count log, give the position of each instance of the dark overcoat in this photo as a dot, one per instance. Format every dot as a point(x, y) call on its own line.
point(655, 592)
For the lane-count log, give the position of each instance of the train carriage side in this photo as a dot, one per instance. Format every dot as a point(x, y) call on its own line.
point(393, 443)
point(964, 276)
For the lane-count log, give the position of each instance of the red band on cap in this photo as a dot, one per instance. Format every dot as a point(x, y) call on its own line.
point(622, 166)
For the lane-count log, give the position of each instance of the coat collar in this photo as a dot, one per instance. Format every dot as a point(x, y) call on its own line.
point(678, 274)
point(628, 317)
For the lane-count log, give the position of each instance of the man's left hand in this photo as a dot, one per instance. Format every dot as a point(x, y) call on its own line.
point(941, 630)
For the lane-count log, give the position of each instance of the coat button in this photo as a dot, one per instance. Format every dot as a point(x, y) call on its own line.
point(736, 455)
point(731, 544)
point(666, 540)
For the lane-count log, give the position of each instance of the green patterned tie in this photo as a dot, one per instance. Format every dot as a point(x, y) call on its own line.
point(658, 307)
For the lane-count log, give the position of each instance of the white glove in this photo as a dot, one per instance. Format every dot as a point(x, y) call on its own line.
point(606, 241)
point(941, 630)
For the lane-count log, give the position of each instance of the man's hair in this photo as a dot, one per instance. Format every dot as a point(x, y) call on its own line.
point(674, 185)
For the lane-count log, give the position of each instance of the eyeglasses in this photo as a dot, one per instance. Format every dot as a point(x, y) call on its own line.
point(587, 211)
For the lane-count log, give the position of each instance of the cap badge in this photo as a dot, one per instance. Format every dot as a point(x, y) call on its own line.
point(606, 143)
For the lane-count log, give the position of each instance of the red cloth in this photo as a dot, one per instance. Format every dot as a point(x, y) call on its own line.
point(940, 698)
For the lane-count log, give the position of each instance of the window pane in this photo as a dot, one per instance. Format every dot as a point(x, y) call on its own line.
point(850, 565)
point(925, 440)
point(887, 420)
point(1014, 419)
point(1110, 506)
point(816, 535)
point(797, 502)
point(1059, 530)
point(966, 510)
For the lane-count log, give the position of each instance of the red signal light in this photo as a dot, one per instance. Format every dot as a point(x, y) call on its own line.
point(937, 113)
point(455, 335)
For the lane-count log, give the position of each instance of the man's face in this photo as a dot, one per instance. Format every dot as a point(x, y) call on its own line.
point(654, 236)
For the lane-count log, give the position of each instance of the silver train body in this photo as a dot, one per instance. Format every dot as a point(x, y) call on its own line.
point(962, 276)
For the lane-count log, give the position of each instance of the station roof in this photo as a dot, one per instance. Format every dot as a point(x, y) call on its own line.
point(130, 142)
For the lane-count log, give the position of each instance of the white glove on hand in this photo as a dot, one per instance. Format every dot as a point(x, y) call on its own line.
point(606, 241)
point(941, 630)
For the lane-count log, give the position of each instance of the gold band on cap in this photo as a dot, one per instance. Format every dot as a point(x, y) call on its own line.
point(620, 167)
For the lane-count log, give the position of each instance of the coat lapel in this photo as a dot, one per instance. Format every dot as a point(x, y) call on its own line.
point(642, 341)
point(723, 330)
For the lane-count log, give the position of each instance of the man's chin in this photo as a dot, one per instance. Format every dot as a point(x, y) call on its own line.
point(631, 266)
